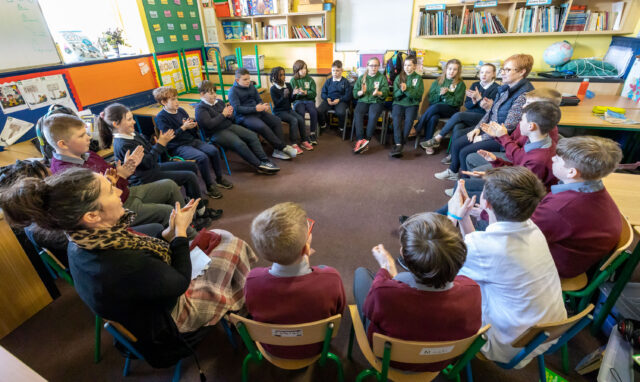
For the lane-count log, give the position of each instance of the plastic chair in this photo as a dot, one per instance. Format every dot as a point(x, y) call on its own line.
point(539, 334)
point(386, 349)
point(54, 265)
point(224, 155)
point(331, 114)
point(384, 118)
point(254, 334)
point(444, 120)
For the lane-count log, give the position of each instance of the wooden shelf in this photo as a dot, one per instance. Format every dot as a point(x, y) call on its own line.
point(278, 15)
point(275, 40)
point(536, 34)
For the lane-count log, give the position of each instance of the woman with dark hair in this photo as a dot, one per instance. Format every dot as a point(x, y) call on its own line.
point(120, 274)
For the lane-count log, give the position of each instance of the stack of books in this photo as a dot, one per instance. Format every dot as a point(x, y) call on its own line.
point(539, 19)
point(307, 31)
point(597, 21)
point(438, 23)
point(577, 19)
point(253, 7)
point(481, 22)
point(270, 32)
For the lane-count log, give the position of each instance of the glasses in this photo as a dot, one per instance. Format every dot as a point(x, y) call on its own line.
point(507, 70)
point(373, 66)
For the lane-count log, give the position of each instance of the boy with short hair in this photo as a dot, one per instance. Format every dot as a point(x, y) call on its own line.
point(579, 219)
point(187, 143)
point(290, 291)
point(510, 260)
point(429, 303)
point(336, 95)
point(152, 202)
point(252, 113)
point(216, 119)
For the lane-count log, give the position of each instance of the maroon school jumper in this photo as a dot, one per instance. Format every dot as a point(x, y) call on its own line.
point(95, 163)
point(536, 160)
point(401, 311)
point(294, 300)
point(522, 139)
point(581, 228)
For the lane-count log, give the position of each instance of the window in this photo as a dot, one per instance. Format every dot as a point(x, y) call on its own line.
point(77, 27)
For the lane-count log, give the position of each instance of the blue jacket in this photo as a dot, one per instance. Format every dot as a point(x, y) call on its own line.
point(512, 94)
point(490, 93)
point(336, 89)
point(244, 101)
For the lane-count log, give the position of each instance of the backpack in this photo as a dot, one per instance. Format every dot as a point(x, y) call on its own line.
point(394, 66)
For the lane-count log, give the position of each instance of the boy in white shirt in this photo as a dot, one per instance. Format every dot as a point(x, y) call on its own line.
point(510, 260)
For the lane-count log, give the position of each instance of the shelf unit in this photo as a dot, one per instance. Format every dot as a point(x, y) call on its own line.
point(507, 12)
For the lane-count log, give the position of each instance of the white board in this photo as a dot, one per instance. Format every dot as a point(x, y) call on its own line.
point(25, 40)
point(373, 25)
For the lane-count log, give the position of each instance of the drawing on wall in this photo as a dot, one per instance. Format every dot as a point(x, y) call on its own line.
point(13, 130)
point(11, 99)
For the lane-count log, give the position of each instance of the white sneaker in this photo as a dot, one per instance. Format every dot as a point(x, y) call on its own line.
point(449, 192)
point(280, 155)
point(446, 175)
point(290, 151)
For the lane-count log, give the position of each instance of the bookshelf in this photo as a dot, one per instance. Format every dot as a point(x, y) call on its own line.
point(514, 18)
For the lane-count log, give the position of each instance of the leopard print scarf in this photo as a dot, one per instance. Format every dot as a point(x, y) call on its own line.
point(119, 237)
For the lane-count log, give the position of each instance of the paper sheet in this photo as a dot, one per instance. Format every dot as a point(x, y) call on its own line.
point(199, 262)
point(13, 130)
point(34, 91)
point(11, 99)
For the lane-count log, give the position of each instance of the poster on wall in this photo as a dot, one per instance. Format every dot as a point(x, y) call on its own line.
point(34, 92)
point(194, 66)
point(11, 99)
point(171, 73)
point(13, 129)
point(631, 87)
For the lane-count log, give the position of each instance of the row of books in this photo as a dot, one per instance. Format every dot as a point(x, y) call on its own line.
point(480, 22)
point(539, 19)
point(581, 19)
point(307, 31)
point(253, 7)
point(438, 23)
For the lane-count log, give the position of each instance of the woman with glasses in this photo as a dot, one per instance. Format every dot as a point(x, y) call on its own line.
point(506, 110)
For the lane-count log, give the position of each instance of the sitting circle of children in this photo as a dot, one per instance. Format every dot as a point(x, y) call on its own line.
point(528, 208)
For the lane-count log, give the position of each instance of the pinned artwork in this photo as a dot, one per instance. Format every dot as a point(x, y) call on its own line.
point(173, 38)
point(167, 13)
point(153, 14)
point(11, 99)
point(160, 39)
point(156, 27)
point(13, 130)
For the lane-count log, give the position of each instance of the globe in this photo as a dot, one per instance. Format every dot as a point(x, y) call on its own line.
point(558, 53)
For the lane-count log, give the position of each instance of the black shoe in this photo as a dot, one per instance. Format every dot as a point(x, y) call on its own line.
point(267, 167)
point(223, 183)
point(213, 214)
point(312, 139)
point(446, 160)
point(213, 192)
point(400, 261)
point(396, 151)
point(403, 218)
point(201, 222)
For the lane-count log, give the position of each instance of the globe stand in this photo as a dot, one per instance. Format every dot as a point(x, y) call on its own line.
point(557, 73)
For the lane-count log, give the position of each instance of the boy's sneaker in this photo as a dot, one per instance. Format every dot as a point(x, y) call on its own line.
point(298, 149)
point(430, 143)
point(313, 139)
point(307, 146)
point(223, 183)
point(446, 160)
point(290, 151)
point(396, 151)
point(213, 214)
point(213, 192)
point(280, 155)
point(268, 168)
point(361, 146)
point(446, 175)
point(449, 192)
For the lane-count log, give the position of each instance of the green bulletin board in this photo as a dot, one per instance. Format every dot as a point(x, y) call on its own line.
point(173, 24)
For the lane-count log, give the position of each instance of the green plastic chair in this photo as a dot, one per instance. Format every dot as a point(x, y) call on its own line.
point(63, 272)
point(254, 334)
point(386, 349)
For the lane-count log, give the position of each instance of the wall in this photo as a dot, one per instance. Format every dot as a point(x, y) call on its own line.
point(470, 50)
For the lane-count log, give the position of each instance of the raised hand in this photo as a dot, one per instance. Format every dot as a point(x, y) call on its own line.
point(403, 86)
point(384, 259)
point(111, 175)
point(166, 136)
point(494, 129)
point(486, 155)
point(187, 124)
point(460, 204)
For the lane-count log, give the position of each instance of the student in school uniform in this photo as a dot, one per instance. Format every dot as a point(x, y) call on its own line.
point(408, 89)
point(446, 95)
point(216, 120)
point(479, 98)
point(431, 302)
point(290, 291)
point(116, 125)
point(336, 95)
point(370, 90)
point(510, 260)
point(186, 142)
point(304, 97)
point(506, 109)
point(579, 219)
point(151, 202)
point(282, 96)
point(250, 112)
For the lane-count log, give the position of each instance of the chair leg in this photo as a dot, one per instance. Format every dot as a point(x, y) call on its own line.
point(125, 371)
point(541, 368)
point(469, 372)
point(226, 162)
point(176, 373)
point(353, 126)
point(227, 329)
point(565, 358)
point(350, 349)
point(245, 368)
point(96, 350)
point(338, 364)
point(365, 373)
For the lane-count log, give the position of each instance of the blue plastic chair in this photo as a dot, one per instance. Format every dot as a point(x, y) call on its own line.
point(224, 155)
point(542, 333)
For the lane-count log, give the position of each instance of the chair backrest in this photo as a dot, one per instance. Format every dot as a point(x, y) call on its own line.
point(288, 335)
point(49, 258)
point(626, 238)
point(124, 336)
point(554, 329)
point(423, 352)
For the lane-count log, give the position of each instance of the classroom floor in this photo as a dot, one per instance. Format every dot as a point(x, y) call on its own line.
point(355, 201)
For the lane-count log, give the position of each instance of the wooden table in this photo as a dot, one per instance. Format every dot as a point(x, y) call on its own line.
point(623, 189)
point(15, 370)
point(581, 116)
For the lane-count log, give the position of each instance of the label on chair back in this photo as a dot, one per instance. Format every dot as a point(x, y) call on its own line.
point(432, 351)
point(286, 333)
